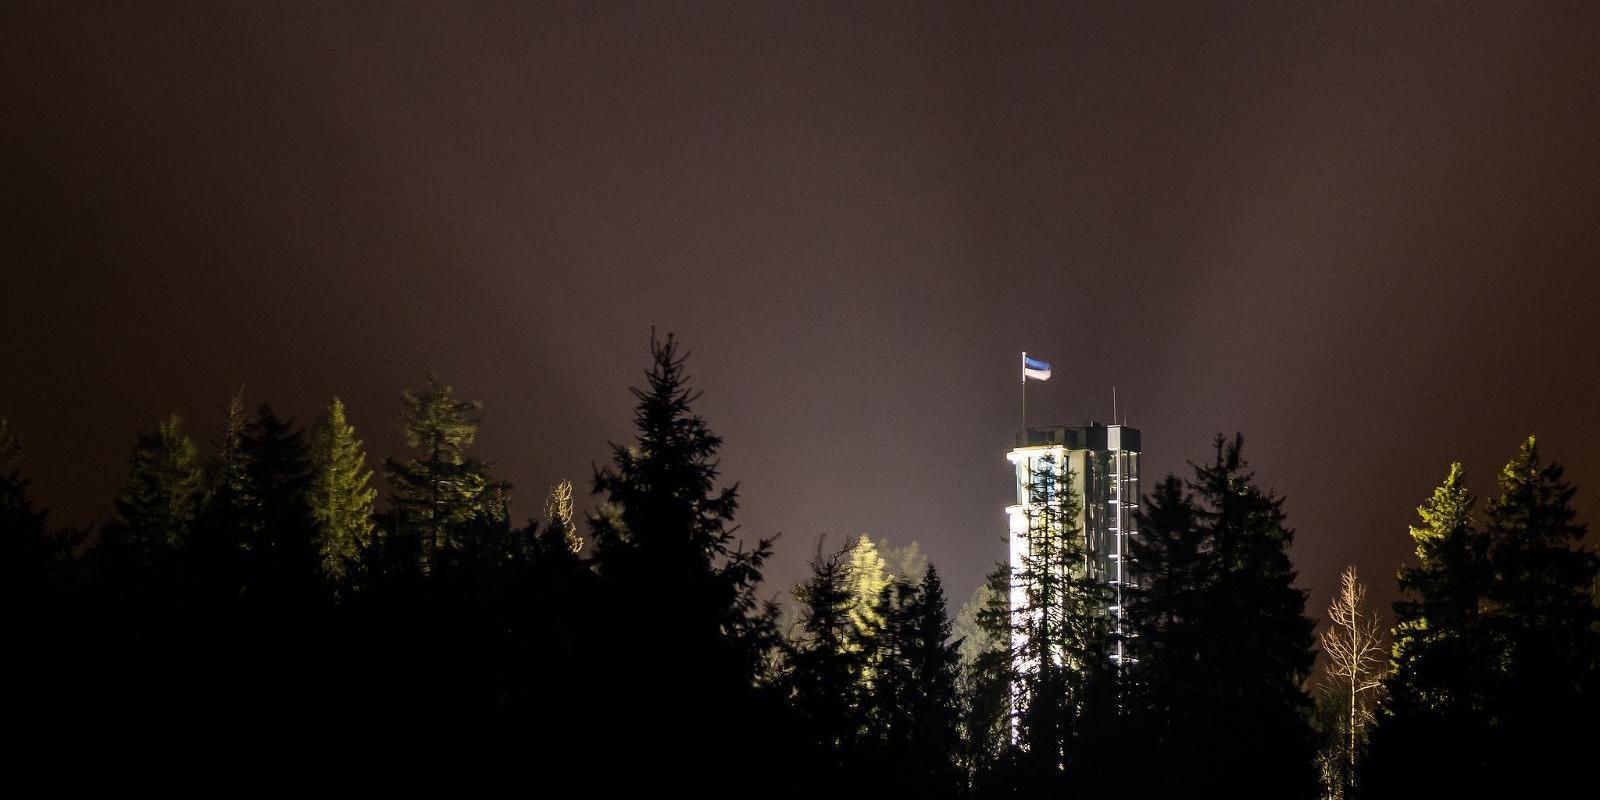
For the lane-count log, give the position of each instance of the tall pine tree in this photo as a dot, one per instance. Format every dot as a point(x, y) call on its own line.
point(917, 719)
point(1545, 616)
point(1223, 645)
point(230, 510)
point(23, 543)
point(1441, 680)
point(824, 677)
point(988, 677)
point(1257, 652)
point(1059, 630)
point(278, 463)
point(681, 587)
point(341, 497)
point(1167, 563)
point(156, 508)
point(439, 492)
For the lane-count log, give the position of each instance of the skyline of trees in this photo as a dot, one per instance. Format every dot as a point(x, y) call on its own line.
point(1497, 657)
point(252, 608)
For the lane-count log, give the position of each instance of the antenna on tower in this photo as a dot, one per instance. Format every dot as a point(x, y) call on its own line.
point(1113, 404)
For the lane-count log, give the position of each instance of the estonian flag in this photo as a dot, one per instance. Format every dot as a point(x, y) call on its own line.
point(1035, 369)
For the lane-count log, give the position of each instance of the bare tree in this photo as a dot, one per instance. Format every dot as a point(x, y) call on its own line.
point(1355, 652)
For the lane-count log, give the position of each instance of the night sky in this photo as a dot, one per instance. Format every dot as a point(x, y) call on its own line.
point(1366, 238)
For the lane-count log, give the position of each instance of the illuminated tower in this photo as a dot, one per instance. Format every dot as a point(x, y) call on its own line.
point(1104, 465)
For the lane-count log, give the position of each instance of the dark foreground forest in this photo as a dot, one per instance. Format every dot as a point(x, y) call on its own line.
point(249, 623)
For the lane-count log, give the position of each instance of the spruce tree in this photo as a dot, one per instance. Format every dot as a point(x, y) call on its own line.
point(1439, 629)
point(29, 556)
point(231, 505)
point(278, 462)
point(1495, 645)
point(923, 669)
point(1167, 566)
point(988, 677)
point(221, 553)
point(22, 527)
point(42, 633)
point(824, 679)
point(156, 508)
point(680, 585)
point(439, 492)
point(1256, 648)
point(340, 497)
point(1222, 646)
point(1145, 713)
point(1544, 614)
point(1441, 680)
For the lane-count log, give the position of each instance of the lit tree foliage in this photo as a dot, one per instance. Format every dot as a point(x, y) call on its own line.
point(1355, 656)
point(641, 656)
point(341, 498)
point(1439, 690)
point(903, 562)
point(156, 507)
point(560, 535)
point(439, 492)
point(1496, 651)
point(869, 606)
point(1441, 631)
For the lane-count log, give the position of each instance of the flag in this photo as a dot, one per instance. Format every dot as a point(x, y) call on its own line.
point(1034, 368)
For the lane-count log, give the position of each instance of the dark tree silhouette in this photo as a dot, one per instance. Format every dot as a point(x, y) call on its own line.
point(917, 719)
point(1545, 616)
point(1224, 647)
point(158, 503)
point(680, 591)
point(986, 687)
point(250, 616)
point(1497, 650)
point(824, 680)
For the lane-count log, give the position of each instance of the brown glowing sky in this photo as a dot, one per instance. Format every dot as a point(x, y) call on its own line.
point(1367, 238)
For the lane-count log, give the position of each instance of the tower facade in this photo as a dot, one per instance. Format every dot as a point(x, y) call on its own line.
point(1099, 466)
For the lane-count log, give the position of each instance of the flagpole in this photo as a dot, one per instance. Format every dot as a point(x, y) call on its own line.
point(1024, 398)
